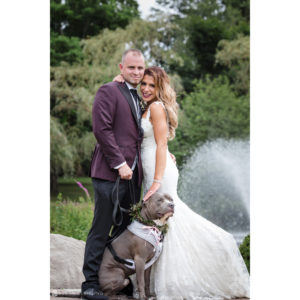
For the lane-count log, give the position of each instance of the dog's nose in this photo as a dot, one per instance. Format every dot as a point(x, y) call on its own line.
point(171, 205)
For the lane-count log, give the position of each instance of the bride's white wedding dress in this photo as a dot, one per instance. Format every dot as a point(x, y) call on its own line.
point(199, 259)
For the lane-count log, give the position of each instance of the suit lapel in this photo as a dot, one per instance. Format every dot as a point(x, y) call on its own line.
point(126, 93)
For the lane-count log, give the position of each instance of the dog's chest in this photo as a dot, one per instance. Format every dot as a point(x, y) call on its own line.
point(150, 234)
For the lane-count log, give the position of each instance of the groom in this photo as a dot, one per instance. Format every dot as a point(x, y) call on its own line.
point(116, 125)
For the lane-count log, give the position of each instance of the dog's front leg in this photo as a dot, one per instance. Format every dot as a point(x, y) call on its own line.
point(147, 283)
point(140, 268)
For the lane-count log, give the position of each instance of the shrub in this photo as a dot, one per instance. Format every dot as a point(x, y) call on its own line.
point(245, 251)
point(211, 111)
point(64, 48)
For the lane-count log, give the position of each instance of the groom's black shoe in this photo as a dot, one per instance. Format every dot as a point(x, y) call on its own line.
point(92, 294)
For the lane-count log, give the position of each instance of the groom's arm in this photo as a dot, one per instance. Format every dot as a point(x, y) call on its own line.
point(103, 113)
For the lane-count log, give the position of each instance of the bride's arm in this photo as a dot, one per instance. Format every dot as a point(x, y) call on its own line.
point(119, 78)
point(160, 128)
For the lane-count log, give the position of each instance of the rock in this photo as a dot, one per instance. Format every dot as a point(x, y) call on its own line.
point(66, 260)
point(67, 293)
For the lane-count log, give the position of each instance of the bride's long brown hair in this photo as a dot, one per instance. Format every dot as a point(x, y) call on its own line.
point(166, 95)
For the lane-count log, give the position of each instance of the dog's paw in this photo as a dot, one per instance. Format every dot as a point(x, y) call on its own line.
point(150, 295)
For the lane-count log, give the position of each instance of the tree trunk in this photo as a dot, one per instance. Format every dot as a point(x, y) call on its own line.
point(53, 183)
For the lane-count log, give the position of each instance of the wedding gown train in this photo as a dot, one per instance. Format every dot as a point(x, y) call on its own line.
point(199, 259)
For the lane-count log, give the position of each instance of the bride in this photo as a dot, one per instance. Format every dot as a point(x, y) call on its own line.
point(199, 259)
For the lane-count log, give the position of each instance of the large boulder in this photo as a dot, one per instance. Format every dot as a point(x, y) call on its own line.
point(66, 260)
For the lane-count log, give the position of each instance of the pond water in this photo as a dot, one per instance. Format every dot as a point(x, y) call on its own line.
point(71, 191)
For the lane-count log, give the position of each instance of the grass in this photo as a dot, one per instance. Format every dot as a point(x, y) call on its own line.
point(245, 251)
point(74, 219)
point(70, 218)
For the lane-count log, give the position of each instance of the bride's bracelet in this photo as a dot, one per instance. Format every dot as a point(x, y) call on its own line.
point(156, 180)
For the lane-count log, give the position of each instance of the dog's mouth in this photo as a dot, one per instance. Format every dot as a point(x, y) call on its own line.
point(166, 215)
point(170, 213)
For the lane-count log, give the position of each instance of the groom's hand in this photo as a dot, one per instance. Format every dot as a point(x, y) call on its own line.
point(125, 172)
point(173, 157)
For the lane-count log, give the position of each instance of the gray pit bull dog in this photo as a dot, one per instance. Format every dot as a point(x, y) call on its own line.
point(139, 245)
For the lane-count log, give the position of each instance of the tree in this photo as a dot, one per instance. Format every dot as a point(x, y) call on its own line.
point(183, 8)
point(62, 153)
point(202, 24)
point(237, 17)
point(235, 56)
point(89, 17)
point(64, 48)
point(73, 20)
point(199, 49)
point(212, 110)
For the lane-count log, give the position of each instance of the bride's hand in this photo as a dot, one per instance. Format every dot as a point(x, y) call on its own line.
point(119, 78)
point(154, 187)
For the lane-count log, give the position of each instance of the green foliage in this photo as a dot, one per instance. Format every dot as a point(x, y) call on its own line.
point(211, 111)
point(202, 38)
point(245, 251)
point(62, 152)
point(235, 56)
point(188, 7)
point(105, 50)
point(71, 218)
point(237, 15)
point(135, 214)
point(201, 25)
point(88, 18)
point(72, 95)
point(72, 20)
point(64, 48)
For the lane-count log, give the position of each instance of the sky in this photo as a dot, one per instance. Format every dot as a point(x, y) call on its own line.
point(144, 7)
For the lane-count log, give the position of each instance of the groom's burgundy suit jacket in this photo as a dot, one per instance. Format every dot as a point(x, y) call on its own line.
point(117, 131)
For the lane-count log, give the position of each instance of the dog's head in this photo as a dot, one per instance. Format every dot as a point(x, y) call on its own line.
point(159, 207)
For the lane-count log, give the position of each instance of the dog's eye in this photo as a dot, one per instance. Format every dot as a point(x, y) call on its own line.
point(160, 200)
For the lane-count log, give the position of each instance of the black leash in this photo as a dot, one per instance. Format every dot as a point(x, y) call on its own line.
point(117, 216)
point(116, 203)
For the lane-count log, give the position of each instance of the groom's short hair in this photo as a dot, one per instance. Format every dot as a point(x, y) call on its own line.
point(132, 50)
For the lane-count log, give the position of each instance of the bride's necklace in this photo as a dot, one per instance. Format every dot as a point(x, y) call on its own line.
point(135, 213)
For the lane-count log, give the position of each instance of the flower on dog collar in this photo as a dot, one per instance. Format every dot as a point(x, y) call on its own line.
point(135, 213)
